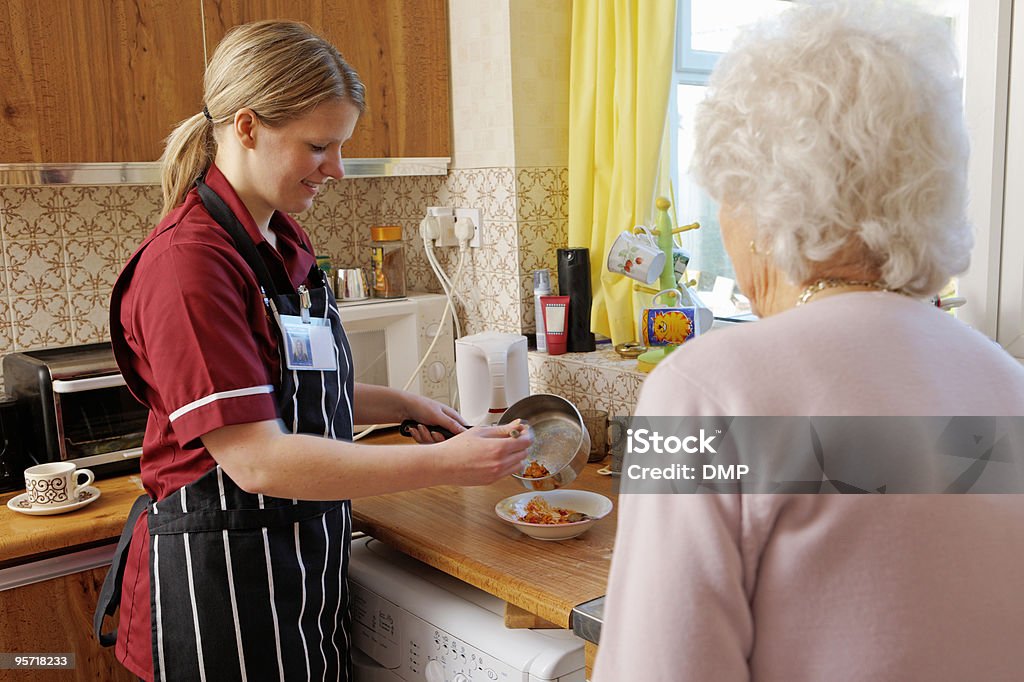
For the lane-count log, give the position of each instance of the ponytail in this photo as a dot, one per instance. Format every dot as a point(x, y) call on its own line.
point(188, 153)
point(279, 68)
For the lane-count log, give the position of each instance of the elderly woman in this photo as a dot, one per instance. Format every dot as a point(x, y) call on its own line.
point(834, 140)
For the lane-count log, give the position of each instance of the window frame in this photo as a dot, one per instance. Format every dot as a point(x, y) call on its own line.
point(993, 287)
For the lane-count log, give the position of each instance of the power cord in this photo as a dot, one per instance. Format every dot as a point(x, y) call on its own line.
point(430, 232)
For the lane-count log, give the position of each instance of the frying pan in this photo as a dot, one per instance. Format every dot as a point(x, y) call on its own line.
point(561, 443)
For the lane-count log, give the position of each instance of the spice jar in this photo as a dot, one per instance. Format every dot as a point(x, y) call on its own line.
point(388, 257)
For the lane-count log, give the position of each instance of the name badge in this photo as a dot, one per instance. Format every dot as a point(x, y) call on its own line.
point(308, 345)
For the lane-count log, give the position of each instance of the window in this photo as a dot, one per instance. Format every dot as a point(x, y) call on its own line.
point(706, 29)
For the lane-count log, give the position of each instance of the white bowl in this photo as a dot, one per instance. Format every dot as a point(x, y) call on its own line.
point(592, 504)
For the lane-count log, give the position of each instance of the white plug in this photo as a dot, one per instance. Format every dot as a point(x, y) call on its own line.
point(471, 221)
point(465, 230)
point(445, 221)
point(430, 231)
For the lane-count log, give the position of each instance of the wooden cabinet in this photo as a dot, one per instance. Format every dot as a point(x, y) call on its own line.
point(398, 47)
point(95, 80)
point(106, 80)
point(55, 617)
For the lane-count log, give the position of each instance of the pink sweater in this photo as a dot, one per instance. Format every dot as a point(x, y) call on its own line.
point(823, 587)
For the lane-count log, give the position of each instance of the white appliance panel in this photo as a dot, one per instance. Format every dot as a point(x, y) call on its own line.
point(431, 627)
point(388, 339)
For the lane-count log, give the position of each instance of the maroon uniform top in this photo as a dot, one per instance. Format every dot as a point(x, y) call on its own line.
point(203, 355)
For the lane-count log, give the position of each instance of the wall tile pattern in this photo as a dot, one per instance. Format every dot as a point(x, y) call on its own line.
point(62, 248)
point(599, 381)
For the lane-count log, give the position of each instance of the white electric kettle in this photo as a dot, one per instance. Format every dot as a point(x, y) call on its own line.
point(492, 372)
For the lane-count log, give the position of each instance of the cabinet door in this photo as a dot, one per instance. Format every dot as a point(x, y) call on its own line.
point(55, 617)
point(398, 47)
point(96, 80)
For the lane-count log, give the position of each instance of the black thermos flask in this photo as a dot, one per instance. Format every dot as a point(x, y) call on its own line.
point(574, 282)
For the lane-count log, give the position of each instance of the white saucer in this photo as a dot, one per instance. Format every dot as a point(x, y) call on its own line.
point(20, 503)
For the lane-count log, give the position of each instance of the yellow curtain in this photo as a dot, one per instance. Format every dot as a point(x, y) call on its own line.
point(619, 83)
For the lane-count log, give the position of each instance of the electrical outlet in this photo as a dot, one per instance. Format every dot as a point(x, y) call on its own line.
point(476, 215)
point(445, 225)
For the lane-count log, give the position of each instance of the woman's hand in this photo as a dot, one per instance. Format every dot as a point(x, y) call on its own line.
point(431, 413)
point(484, 454)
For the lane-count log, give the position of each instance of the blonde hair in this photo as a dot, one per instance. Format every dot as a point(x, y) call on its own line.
point(838, 129)
point(280, 69)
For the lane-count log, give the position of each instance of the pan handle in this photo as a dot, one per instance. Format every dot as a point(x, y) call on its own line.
point(406, 427)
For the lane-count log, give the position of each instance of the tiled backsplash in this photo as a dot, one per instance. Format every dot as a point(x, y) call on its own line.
point(592, 381)
point(64, 245)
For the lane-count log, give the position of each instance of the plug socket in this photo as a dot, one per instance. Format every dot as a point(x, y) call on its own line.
point(445, 218)
point(472, 216)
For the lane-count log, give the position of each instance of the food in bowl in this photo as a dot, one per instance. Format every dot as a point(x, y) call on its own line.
point(538, 510)
point(535, 470)
point(591, 506)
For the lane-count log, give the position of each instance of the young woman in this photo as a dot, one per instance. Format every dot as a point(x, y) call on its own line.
point(234, 565)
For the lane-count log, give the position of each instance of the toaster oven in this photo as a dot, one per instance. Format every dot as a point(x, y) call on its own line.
point(13, 459)
point(78, 406)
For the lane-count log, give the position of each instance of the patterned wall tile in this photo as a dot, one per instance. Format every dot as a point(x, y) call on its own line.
point(496, 188)
point(93, 262)
point(329, 217)
point(6, 331)
point(498, 306)
point(418, 274)
point(39, 321)
point(492, 190)
point(543, 193)
point(600, 380)
point(527, 308)
point(400, 199)
point(32, 212)
point(36, 266)
point(129, 210)
point(90, 320)
point(363, 195)
point(502, 254)
point(125, 245)
point(539, 241)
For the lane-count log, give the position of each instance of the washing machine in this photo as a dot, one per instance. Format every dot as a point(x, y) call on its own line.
point(413, 623)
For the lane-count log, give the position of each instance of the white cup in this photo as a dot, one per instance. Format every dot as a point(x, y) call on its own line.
point(637, 256)
point(55, 484)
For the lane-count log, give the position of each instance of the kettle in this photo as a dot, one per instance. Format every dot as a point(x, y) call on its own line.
point(492, 374)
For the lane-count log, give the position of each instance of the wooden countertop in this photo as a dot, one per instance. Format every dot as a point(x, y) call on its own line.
point(457, 531)
point(450, 528)
point(25, 538)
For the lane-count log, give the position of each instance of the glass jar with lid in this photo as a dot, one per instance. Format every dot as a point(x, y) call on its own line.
point(388, 258)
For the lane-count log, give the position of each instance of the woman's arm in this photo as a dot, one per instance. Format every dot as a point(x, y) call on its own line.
point(382, 405)
point(261, 457)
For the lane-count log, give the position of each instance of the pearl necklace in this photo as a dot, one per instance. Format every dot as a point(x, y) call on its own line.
point(823, 284)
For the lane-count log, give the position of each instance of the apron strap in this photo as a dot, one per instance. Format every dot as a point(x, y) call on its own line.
point(110, 595)
point(220, 212)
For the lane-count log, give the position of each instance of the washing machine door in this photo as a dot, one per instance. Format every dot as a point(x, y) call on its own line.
point(365, 669)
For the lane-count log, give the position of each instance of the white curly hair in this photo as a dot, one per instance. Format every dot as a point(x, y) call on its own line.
point(837, 128)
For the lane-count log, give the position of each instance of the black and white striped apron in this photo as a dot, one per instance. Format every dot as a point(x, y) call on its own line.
point(252, 587)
